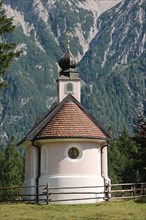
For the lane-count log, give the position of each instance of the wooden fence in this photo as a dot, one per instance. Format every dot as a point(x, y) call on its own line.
point(108, 192)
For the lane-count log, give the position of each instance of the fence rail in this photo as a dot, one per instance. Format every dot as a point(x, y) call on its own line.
point(46, 193)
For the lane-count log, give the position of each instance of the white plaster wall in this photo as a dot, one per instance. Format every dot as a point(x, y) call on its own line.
point(59, 162)
point(65, 172)
point(31, 166)
point(104, 163)
point(76, 94)
point(27, 162)
point(31, 162)
point(91, 183)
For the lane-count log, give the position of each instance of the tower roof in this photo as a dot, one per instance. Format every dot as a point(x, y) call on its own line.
point(67, 61)
point(68, 119)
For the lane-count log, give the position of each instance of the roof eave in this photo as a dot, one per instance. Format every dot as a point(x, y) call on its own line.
point(73, 137)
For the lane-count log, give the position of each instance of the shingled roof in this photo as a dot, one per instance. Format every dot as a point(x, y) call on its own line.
point(68, 119)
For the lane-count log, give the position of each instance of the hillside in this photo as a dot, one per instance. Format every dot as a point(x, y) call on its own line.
point(114, 68)
point(110, 49)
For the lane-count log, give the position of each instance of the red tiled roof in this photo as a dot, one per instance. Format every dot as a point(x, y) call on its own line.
point(71, 121)
point(68, 119)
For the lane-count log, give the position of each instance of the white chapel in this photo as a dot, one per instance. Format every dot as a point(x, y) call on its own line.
point(67, 147)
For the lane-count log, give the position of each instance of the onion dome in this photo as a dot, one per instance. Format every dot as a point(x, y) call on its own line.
point(67, 61)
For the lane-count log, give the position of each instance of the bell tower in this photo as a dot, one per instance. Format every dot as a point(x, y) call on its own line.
point(68, 81)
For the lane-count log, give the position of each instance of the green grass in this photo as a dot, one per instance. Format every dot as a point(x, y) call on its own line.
point(113, 210)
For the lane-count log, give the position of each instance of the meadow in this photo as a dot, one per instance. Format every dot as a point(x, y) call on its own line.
point(112, 210)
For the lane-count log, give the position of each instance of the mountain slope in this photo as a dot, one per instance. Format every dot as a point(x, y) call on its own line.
point(114, 66)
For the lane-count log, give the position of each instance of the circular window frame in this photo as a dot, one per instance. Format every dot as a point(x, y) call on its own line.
point(73, 153)
point(76, 146)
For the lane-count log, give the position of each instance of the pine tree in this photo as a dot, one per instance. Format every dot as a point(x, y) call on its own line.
point(122, 162)
point(11, 170)
point(12, 165)
point(7, 49)
point(140, 139)
point(140, 129)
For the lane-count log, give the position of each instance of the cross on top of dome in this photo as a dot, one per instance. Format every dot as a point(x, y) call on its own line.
point(68, 61)
point(68, 34)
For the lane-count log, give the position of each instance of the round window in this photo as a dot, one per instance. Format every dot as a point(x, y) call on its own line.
point(73, 152)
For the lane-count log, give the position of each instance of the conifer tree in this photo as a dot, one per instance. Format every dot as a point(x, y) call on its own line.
point(12, 165)
point(122, 156)
point(11, 171)
point(140, 139)
point(7, 49)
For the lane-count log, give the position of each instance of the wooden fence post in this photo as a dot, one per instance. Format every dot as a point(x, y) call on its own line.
point(47, 193)
point(106, 192)
point(142, 189)
point(134, 189)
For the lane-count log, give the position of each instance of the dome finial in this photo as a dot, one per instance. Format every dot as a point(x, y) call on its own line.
point(68, 39)
point(68, 61)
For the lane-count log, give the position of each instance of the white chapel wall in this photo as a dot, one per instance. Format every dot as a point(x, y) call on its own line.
point(63, 93)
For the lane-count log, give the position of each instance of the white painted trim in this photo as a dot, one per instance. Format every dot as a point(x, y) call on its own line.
point(55, 140)
point(71, 176)
point(26, 143)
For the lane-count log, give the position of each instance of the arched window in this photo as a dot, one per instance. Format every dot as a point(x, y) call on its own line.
point(69, 88)
point(44, 159)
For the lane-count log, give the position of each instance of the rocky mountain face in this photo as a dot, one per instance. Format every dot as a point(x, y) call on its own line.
point(108, 42)
point(116, 60)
